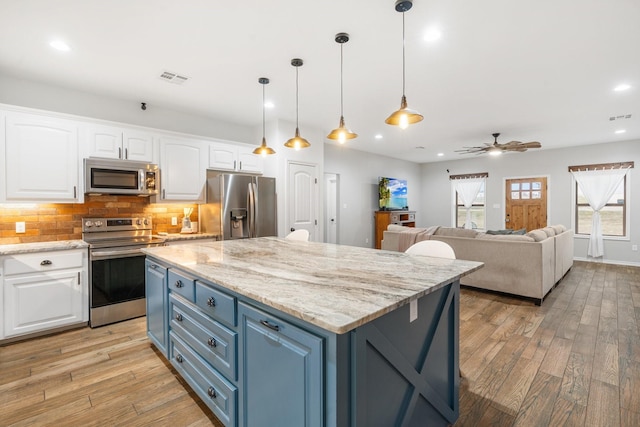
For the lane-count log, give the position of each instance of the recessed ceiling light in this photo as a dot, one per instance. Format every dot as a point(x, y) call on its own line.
point(432, 35)
point(440, 154)
point(622, 87)
point(60, 45)
point(621, 131)
point(269, 104)
point(378, 136)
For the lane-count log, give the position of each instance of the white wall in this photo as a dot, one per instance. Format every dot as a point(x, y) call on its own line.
point(63, 100)
point(358, 190)
point(436, 204)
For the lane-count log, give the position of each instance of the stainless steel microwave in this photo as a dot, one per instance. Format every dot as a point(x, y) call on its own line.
point(104, 176)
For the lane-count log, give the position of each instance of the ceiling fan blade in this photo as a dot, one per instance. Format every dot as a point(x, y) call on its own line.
point(532, 144)
point(513, 143)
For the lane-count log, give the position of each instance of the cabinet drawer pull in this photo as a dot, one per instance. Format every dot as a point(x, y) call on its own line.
point(179, 358)
point(211, 302)
point(212, 392)
point(179, 317)
point(46, 262)
point(179, 284)
point(269, 325)
point(212, 342)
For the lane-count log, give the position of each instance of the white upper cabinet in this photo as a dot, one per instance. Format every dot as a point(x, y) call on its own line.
point(118, 143)
point(234, 157)
point(183, 169)
point(41, 159)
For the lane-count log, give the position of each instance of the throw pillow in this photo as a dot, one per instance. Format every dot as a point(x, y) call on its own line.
point(522, 231)
point(537, 235)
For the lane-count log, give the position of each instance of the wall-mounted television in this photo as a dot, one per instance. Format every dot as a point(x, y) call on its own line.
point(392, 194)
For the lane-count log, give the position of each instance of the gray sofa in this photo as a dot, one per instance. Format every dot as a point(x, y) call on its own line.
point(525, 265)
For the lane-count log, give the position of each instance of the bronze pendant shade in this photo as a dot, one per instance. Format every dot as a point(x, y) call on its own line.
point(341, 133)
point(263, 149)
point(297, 142)
point(405, 116)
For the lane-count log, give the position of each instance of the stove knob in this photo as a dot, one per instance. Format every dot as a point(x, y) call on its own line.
point(146, 221)
point(88, 224)
point(138, 221)
point(98, 223)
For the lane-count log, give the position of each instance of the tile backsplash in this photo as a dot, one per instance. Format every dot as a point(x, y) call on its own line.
point(63, 221)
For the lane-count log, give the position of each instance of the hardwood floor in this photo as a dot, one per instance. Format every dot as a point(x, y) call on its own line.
point(573, 361)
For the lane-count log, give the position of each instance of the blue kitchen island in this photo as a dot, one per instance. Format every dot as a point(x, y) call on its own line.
point(271, 332)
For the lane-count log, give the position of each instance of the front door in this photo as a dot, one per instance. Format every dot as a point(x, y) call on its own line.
point(526, 204)
point(302, 193)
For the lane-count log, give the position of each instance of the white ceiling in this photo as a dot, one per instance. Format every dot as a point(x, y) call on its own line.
point(533, 70)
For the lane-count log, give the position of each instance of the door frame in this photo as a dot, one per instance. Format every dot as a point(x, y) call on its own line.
point(327, 177)
point(504, 194)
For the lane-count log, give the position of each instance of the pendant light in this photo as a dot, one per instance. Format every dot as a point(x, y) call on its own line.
point(341, 133)
point(297, 142)
point(263, 149)
point(405, 116)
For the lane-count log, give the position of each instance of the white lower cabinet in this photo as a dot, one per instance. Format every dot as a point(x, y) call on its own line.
point(44, 290)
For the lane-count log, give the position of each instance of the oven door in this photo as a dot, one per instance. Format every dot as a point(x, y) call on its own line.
point(117, 284)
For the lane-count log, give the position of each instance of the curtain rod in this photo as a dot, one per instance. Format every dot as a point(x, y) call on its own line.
point(470, 175)
point(619, 165)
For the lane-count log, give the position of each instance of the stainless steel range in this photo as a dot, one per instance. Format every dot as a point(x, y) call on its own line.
point(116, 272)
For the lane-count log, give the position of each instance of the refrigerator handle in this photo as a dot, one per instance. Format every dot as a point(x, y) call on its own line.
point(251, 193)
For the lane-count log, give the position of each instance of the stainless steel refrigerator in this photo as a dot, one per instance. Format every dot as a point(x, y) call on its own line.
point(239, 206)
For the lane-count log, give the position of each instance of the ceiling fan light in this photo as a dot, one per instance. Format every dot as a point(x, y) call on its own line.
point(493, 151)
point(297, 142)
point(405, 116)
point(341, 133)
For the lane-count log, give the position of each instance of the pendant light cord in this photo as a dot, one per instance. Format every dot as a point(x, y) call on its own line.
point(297, 98)
point(403, 60)
point(341, 84)
point(263, 108)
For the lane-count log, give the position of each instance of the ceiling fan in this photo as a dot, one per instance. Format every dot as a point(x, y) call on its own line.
point(497, 149)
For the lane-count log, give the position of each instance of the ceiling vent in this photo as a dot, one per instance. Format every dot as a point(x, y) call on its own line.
point(624, 116)
point(174, 78)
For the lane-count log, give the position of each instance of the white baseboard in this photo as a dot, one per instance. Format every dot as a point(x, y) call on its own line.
point(608, 261)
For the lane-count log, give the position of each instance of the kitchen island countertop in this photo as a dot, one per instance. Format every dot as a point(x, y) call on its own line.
point(335, 287)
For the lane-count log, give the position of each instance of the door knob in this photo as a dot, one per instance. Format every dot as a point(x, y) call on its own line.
point(293, 229)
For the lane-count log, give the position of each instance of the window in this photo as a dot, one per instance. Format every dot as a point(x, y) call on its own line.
point(612, 216)
point(604, 187)
point(470, 189)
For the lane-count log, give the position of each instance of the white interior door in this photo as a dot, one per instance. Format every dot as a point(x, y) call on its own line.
point(302, 201)
point(331, 207)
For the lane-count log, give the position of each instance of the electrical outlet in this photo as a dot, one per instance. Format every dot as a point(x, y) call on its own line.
point(20, 227)
point(366, 240)
point(634, 247)
point(174, 220)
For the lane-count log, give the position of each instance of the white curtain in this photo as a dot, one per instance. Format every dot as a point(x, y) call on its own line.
point(598, 186)
point(468, 190)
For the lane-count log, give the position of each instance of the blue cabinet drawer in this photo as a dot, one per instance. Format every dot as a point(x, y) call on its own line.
point(181, 284)
point(216, 304)
point(214, 342)
point(214, 390)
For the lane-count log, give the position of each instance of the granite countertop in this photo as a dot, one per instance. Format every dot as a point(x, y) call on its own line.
point(23, 248)
point(335, 287)
point(172, 237)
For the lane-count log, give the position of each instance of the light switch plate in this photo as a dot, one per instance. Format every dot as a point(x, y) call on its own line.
point(21, 227)
point(174, 220)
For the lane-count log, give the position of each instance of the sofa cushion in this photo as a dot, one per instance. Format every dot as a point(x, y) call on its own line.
point(537, 235)
point(456, 232)
point(505, 237)
point(396, 227)
point(559, 228)
point(549, 230)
